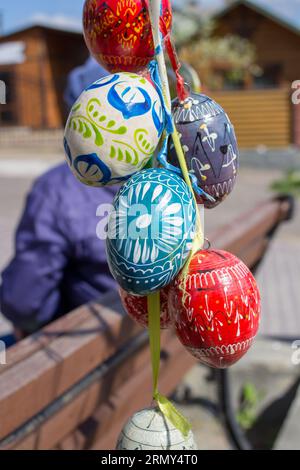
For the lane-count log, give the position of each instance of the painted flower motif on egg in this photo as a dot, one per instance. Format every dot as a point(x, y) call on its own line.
point(216, 310)
point(149, 430)
point(118, 32)
point(209, 143)
point(137, 308)
point(150, 231)
point(113, 129)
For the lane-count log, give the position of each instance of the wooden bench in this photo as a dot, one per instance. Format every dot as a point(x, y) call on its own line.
point(74, 384)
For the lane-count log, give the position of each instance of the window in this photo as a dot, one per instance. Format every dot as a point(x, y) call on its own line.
point(8, 110)
point(270, 77)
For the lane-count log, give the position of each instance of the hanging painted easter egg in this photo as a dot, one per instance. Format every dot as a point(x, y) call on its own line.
point(150, 430)
point(216, 310)
point(137, 308)
point(209, 142)
point(113, 129)
point(118, 32)
point(150, 231)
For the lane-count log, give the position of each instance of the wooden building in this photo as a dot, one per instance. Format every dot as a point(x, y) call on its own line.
point(35, 84)
point(277, 41)
point(263, 113)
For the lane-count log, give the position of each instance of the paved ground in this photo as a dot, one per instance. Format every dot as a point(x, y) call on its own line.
point(268, 366)
point(269, 369)
point(262, 157)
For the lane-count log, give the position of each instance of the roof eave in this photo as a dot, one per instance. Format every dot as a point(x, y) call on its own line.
point(39, 26)
point(258, 9)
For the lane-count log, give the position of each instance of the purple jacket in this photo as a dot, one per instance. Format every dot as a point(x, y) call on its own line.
point(59, 263)
point(81, 77)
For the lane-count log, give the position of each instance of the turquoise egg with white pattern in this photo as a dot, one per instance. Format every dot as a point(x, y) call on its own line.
point(150, 231)
point(113, 129)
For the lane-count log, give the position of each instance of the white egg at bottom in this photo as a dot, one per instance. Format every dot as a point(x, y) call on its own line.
point(149, 430)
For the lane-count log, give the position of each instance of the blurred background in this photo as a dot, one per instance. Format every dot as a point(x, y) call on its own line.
point(247, 55)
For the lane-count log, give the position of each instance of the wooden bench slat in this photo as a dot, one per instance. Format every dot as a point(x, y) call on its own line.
point(255, 252)
point(44, 376)
point(245, 229)
point(65, 421)
point(108, 421)
point(38, 341)
point(56, 428)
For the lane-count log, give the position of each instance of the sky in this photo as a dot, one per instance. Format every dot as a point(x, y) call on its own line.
point(18, 13)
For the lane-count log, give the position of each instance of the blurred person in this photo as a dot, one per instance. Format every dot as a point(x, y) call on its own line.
point(59, 263)
point(81, 77)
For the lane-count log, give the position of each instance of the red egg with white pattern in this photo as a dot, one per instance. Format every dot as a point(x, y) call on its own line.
point(216, 308)
point(118, 32)
point(137, 308)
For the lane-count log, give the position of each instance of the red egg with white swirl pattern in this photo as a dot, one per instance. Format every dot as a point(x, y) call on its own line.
point(216, 309)
point(118, 33)
point(137, 308)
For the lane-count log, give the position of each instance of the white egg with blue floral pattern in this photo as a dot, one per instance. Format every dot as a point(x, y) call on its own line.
point(113, 129)
point(150, 231)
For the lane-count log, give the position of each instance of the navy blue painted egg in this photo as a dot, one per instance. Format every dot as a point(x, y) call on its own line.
point(150, 231)
point(209, 143)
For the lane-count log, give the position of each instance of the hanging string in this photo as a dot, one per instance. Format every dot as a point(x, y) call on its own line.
point(182, 93)
point(165, 406)
point(162, 156)
point(155, 19)
point(159, 75)
point(155, 77)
